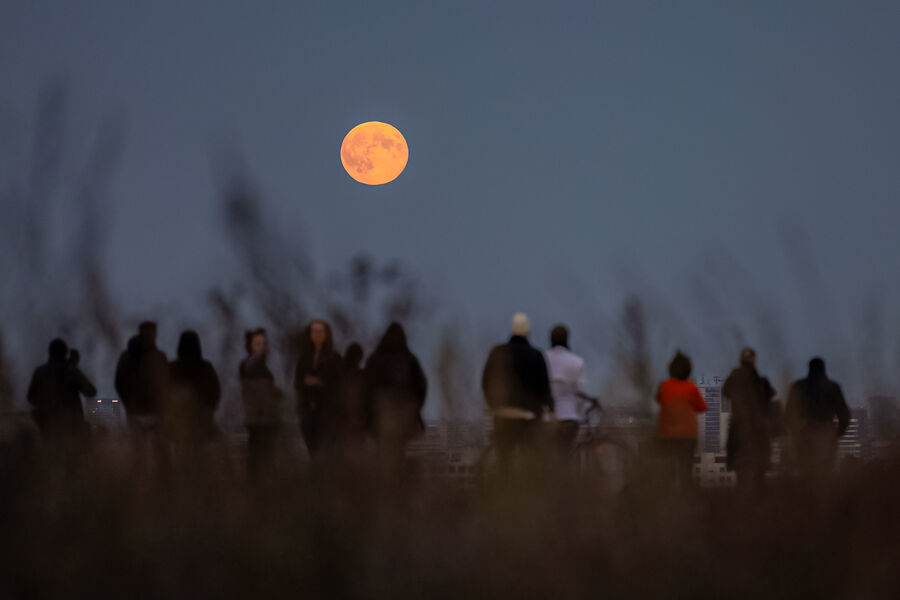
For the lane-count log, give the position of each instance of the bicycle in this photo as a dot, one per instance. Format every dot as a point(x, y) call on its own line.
point(597, 455)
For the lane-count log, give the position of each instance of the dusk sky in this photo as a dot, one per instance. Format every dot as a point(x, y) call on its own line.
point(561, 154)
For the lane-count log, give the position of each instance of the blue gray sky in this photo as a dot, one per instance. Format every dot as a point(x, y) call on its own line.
point(561, 154)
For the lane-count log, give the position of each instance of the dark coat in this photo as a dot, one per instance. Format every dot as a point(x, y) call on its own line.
point(141, 376)
point(327, 367)
point(261, 398)
point(396, 387)
point(194, 391)
point(749, 429)
point(55, 395)
point(515, 375)
point(817, 401)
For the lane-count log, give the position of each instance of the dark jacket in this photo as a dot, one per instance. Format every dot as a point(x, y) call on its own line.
point(194, 390)
point(395, 386)
point(261, 398)
point(327, 367)
point(141, 376)
point(817, 401)
point(515, 375)
point(55, 395)
point(751, 409)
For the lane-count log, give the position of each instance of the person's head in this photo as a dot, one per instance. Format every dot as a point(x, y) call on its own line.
point(521, 326)
point(353, 356)
point(748, 358)
point(559, 336)
point(256, 341)
point(147, 331)
point(58, 350)
point(817, 367)
point(680, 367)
point(318, 332)
point(394, 339)
point(189, 346)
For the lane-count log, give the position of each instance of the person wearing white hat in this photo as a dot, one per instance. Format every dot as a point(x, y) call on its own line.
point(516, 387)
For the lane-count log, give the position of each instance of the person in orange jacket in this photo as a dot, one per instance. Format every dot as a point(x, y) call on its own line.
point(679, 404)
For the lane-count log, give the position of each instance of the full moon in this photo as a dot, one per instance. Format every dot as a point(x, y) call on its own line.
point(374, 153)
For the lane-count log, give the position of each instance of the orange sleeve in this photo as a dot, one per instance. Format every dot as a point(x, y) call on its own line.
point(698, 401)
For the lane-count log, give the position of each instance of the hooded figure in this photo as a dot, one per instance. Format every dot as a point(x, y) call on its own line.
point(813, 405)
point(395, 389)
point(141, 376)
point(55, 393)
point(315, 380)
point(194, 392)
point(749, 429)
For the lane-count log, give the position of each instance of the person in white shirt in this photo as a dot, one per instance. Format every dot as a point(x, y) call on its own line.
point(566, 383)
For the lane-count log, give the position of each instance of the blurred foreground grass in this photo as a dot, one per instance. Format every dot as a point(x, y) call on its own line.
point(97, 525)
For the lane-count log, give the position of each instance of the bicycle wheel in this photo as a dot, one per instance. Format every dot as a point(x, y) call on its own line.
point(605, 462)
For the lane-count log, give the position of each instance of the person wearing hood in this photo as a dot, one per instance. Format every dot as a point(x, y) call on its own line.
point(194, 393)
point(396, 388)
point(315, 380)
point(814, 403)
point(55, 394)
point(749, 444)
point(516, 387)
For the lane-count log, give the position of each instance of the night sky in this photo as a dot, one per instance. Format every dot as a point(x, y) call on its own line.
point(561, 154)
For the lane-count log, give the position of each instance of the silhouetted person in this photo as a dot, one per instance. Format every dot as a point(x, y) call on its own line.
point(813, 405)
point(352, 418)
point(565, 369)
point(516, 387)
point(748, 446)
point(141, 382)
point(194, 393)
point(679, 404)
point(395, 389)
point(55, 394)
point(141, 378)
point(262, 404)
point(315, 380)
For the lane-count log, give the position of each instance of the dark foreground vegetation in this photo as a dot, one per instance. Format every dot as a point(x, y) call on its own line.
point(99, 524)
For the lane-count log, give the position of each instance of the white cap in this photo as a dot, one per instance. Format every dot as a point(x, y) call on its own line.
point(521, 325)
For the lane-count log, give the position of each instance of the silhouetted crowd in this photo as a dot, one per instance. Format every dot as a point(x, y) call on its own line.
point(170, 405)
point(342, 401)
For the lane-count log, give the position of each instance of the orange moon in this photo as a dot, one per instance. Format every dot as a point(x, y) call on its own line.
point(374, 153)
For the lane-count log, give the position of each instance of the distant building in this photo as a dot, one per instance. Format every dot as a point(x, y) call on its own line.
point(855, 443)
point(447, 450)
point(711, 470)
point(710, 465)
point(105, 412)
